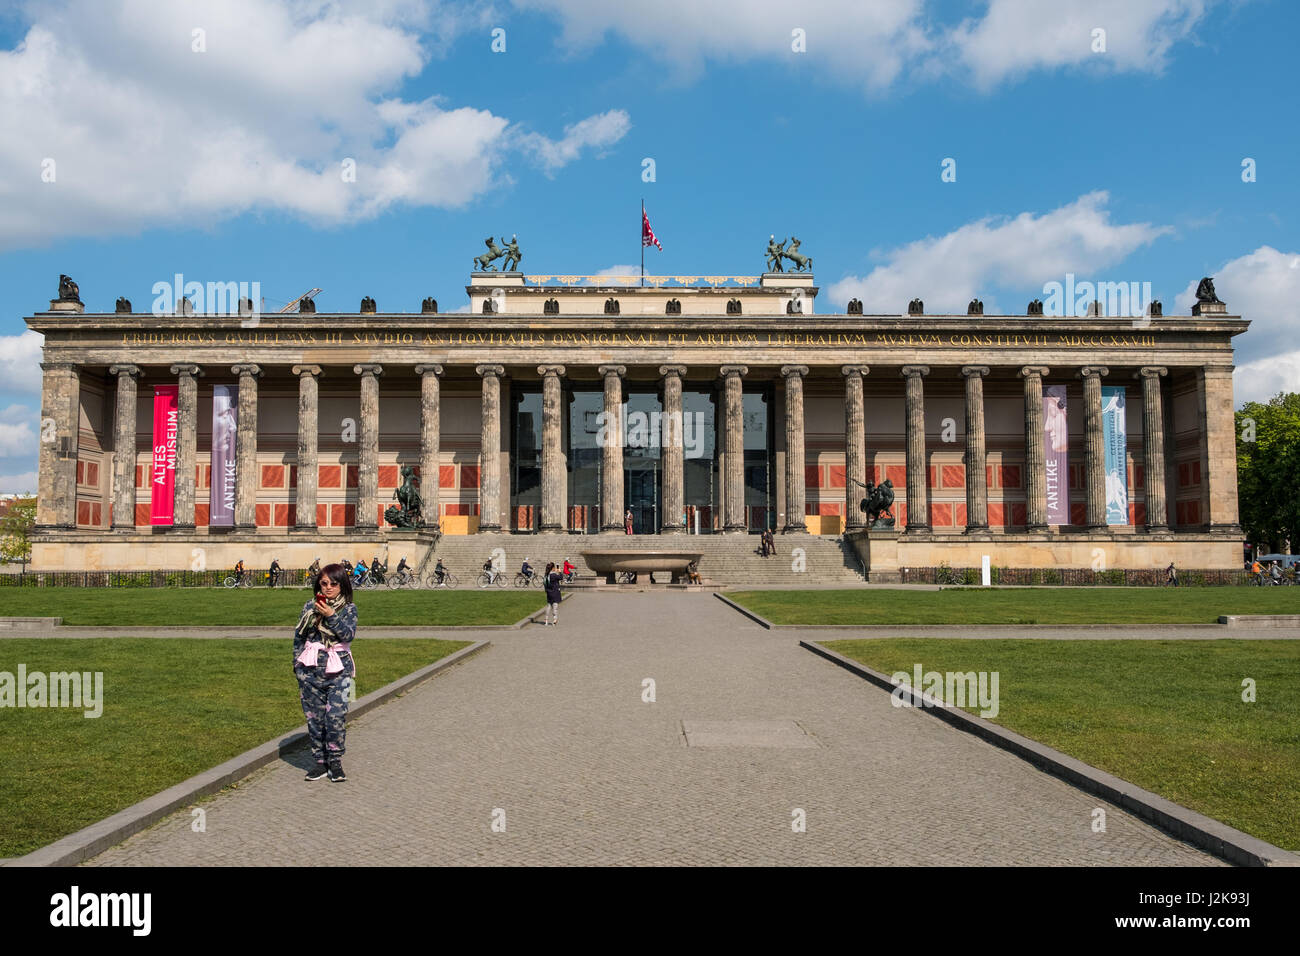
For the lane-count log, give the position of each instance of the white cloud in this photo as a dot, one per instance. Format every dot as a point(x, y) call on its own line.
point(143, 130)
point(1264, 287)
point(17, 434)
point(1027, 251)
point(874, 44)
point(20, 362)
point(21, 483)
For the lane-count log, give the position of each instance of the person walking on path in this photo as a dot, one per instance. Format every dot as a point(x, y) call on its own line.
point(552, 595)
point(1171, 575)
point(326, 680)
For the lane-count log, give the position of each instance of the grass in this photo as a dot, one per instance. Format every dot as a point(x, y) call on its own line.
point(172, 708)
point(1165, 715)
point(160, 607)
point(1017, 605)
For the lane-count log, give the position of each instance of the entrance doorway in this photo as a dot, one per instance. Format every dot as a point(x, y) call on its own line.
point(641, 495)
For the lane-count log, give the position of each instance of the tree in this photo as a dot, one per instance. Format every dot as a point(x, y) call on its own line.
point(16, 526)
point(1268, 470)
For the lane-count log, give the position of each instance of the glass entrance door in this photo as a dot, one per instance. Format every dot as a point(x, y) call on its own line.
point(641, 494)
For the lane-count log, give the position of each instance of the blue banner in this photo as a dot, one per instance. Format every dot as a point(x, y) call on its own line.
point(1115, 438)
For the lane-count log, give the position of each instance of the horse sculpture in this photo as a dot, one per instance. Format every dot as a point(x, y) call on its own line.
point(411, 513)
point(801, 262)
point(878, 502)
point(494, 253)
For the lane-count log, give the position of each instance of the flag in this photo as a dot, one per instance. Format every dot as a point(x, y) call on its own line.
point(648, 234)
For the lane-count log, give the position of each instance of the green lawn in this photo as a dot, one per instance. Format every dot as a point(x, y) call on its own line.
point(1017, 605)
point(171, 708)
point(1165, 715)
point(158, 607)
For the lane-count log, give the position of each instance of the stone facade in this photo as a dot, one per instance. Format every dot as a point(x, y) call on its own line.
point(770, 417)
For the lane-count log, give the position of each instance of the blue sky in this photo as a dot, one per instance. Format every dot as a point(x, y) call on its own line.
point(223, 163)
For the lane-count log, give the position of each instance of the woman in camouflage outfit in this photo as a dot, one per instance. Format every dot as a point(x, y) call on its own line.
point(322, 662)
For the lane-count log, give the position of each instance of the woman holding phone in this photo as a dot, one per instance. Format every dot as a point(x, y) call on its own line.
point(322, 662)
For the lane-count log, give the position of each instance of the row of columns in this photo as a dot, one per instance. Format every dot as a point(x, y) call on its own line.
point(58, 465)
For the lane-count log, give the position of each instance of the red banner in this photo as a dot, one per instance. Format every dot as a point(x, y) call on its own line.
point(162, 477)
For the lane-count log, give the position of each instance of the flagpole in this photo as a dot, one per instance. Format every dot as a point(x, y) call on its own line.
point(643, 242)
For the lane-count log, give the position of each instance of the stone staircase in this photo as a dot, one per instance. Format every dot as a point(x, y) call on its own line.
point(724, 559)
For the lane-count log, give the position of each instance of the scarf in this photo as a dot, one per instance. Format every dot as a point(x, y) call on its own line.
point(314, 620)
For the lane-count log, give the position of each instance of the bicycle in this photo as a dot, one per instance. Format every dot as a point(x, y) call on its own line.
point(449, 580)
point(626, 577)
point(527, 580)
point(402, 579)
point(244, 580)
point(486, 580)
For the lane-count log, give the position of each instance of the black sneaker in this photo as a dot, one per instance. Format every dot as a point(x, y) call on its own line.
point(336, 772)
point(317, 772)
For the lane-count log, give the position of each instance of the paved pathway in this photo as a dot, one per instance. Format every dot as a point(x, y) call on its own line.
point(549, 726)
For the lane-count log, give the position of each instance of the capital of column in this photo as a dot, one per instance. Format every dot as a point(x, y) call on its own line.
point(312, 370)
point(847, 370)
point(971, 370)
point(132, 371)
point(58, 366)
point(915, 371)
point(678, 370)
point(368, 369)
point(727, 371)
point(428, 370)
point(186, 369)
point(254, 370)
point(1090, 370)
point(1151, 371)
point(496, 371)
point(798, 370)
point(1038, 370)
point(548, 370)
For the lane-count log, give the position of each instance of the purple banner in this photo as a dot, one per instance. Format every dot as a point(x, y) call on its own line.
point(1056, 451)
point(221, 508)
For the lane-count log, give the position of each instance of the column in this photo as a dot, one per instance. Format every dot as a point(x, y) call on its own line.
point(489, 476)
point(368, 448)
point(794, 449)
point(246, 448)
point(430, 442)
point(855, 447)
point(918, 509)
point(977, 490)
point(1153, 447)
point(555, 474)
point(307, 460)
point(733, 479)
point(611, 460)
point(56, 505)
point(1094, 447)
point(671, 443)
point(1219, 456)
point(1035, 454)
point(124, 447)
point(187, 423)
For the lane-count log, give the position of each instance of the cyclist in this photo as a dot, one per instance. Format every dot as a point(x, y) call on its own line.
point(526, 570)
point(439, 571)
point(1276, 572)
point(490, 570)
point(314, 569)
point(568, 571)
point(1256, 570)
point(239, 571)
point(274, 576)
point(359, 572)
point(377, 570)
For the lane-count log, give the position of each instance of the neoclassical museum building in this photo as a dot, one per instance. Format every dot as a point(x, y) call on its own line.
point(701, 405)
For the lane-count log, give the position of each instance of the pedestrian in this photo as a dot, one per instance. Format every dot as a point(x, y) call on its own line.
point(1171, 575)
point(627, 522)
point(326, 681)
point(552, 595)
